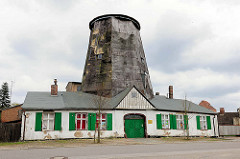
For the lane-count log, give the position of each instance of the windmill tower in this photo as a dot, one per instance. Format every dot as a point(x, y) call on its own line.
point(115, 57)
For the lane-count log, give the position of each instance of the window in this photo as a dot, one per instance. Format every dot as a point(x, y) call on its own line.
point(81, 121)
point(78, 88)
point(165, 121)
point(102, 121)
point(203, 122)
point(180, 121)
point(99, 56)
point(48, 121)
point(134, 94)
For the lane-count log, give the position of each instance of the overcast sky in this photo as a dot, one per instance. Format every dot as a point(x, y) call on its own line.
point(192, 45)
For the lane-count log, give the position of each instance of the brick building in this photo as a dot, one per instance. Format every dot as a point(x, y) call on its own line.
point(228, 118)
point(12, 114)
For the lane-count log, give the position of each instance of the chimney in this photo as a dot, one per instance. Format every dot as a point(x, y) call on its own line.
point(157, 93)
point(171, 92)
point(54, 88)
point(222, 110)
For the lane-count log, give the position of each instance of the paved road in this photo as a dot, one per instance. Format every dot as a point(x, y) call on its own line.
point(211, 150)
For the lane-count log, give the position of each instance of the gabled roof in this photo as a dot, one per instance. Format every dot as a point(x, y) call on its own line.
point(119, 97)
point(81, 101)
point(164, 103)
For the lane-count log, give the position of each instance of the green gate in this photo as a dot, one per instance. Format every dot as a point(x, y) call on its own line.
point(134, 128)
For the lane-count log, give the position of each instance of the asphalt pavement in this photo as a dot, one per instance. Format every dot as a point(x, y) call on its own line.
point(199, 150)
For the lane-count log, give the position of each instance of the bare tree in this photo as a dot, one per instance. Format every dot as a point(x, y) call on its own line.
point(187, 117)
point(100, 101)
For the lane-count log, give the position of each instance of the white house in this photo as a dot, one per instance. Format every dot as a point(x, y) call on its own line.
point(129, 114)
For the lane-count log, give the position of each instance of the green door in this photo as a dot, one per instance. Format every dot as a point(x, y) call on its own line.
point(134, 128)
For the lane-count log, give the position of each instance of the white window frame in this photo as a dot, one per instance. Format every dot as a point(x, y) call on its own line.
point(180, 118)
point(203, 122)
point(102, 127)
point(165, 121)
point(48, 119)
point(81, 120)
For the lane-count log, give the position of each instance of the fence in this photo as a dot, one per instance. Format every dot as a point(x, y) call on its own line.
point(229, 130)
point(10, 132)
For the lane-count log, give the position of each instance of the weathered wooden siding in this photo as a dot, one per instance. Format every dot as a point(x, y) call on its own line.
point(138, 102)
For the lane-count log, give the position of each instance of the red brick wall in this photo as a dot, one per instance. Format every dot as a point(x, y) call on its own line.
point(10, 114)
point(207, 105)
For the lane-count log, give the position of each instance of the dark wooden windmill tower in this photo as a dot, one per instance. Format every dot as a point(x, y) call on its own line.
point(115, 57)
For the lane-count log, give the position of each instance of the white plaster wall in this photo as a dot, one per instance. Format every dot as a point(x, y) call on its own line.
point(31, 134)
point(152, 128)
point(117, 126)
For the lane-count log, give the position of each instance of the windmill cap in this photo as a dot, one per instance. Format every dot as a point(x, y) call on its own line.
point(118, 16)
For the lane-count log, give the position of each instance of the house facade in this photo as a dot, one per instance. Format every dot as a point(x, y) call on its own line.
point(129, 114)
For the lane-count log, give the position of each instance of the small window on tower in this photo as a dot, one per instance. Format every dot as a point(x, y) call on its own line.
point(99, 56)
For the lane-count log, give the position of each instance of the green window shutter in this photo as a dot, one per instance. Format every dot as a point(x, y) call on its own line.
point(109, 121)
point(159, 121)
point(72, 121)
point(186, 121)
point(174, 122)
point(171, 121)
point(198, 122)
point(38, 122)
point(58, 121)
point(91, 121)
point(208, 123)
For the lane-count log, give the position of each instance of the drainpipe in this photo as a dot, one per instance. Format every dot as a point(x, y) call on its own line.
point(214, 126)
point(24, 127)
point(218, 131)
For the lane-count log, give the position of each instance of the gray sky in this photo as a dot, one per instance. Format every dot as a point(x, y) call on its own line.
point(192, 45)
